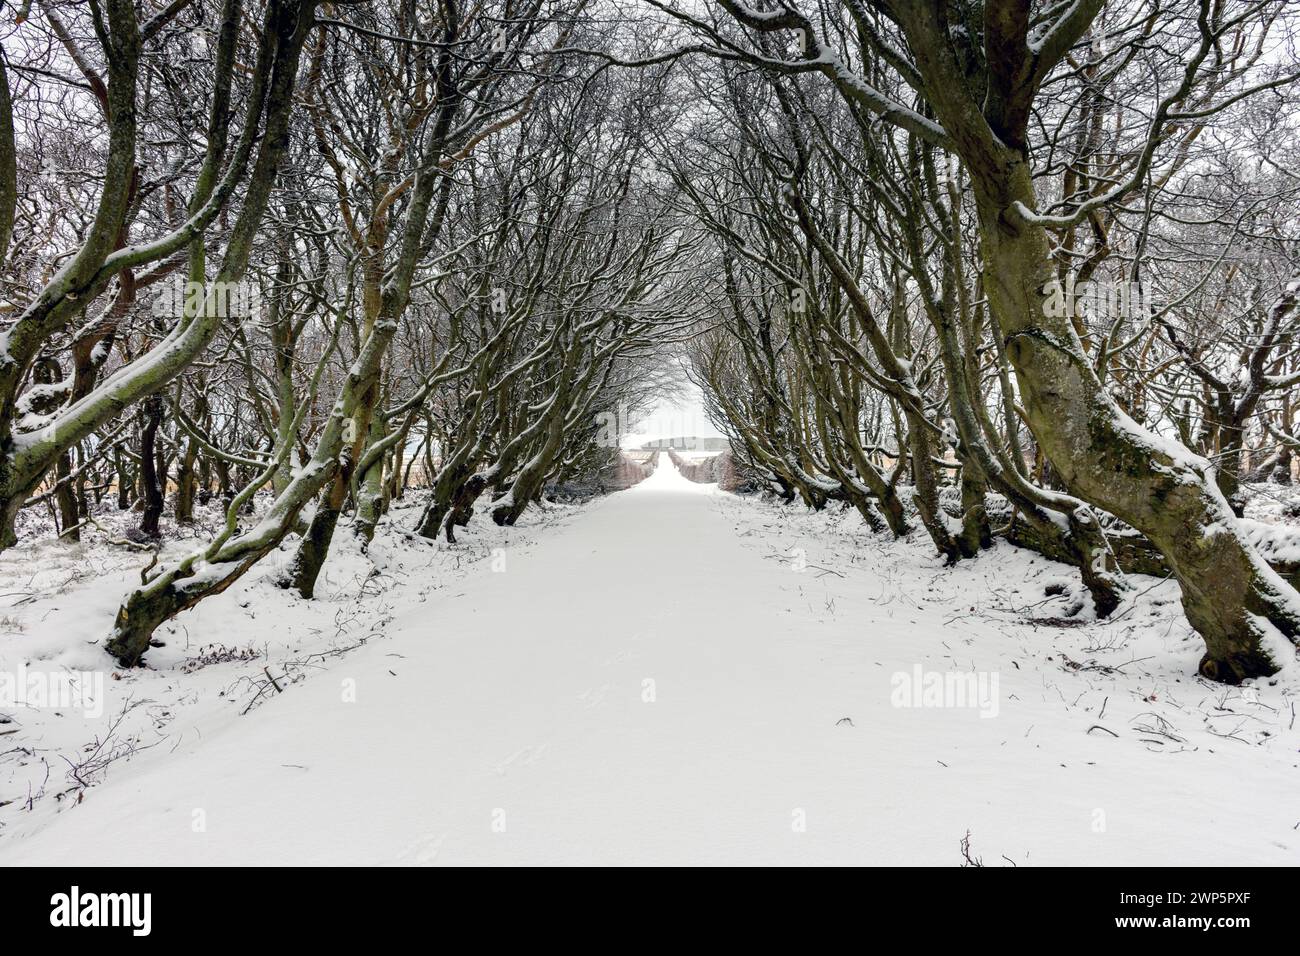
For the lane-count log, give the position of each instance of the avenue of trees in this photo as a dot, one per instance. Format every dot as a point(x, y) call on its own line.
point(973, 269)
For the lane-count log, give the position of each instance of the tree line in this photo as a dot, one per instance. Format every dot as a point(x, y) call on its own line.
point(976, 270)
point(455, 255)
point(1031, 259)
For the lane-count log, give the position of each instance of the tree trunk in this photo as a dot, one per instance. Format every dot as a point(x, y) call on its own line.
point(1281, 473)
point(124, 480)
point(151, 491)
point(315, 545)
point(975, 531)
point(1233, 599)
point(371, 496)
point(926, 496)
point(186, 481)
point(66, 499)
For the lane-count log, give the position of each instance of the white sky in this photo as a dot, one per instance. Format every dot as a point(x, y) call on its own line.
point(681, 417)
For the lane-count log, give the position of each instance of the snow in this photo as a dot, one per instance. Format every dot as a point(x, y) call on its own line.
point(667, 675)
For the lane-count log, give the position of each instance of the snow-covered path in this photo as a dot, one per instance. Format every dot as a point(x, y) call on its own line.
point(652, 682)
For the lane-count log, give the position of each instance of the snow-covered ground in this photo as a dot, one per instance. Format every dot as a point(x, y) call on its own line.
point(666, 675)
point(1273, 503)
